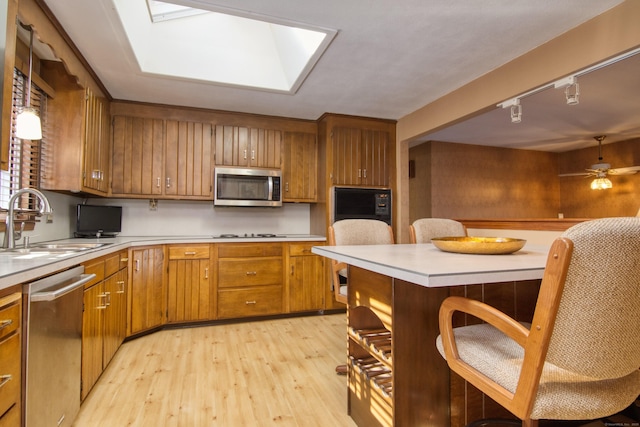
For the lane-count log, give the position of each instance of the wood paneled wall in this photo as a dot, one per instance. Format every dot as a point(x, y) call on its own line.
point(470, 181)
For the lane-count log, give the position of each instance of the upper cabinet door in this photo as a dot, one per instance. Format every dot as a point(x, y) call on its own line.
point(300, 167)
point(189, 159)
point(96, 143)
point(248, 147)
point(137, 156)
point(361, 157)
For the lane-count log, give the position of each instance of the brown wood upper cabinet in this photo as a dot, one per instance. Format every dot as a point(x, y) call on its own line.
point(79, 159)
point(300, 167)
point(158, 158)
point(248, 147)
point(360, 157)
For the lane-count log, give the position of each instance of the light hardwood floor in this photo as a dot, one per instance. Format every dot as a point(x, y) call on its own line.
point(267, 373)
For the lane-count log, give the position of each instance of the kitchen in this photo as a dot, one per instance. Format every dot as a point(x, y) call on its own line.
point(143, 217)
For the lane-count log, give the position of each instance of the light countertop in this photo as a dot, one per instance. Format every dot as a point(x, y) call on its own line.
point(17, 268)
point(426, 265)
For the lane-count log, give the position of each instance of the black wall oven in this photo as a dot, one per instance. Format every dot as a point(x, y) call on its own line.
point(361, 203)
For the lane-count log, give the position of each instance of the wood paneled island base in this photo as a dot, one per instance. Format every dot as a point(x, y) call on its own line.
point(396, 375)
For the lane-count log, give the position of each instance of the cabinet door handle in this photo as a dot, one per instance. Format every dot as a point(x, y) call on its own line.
point(189, 252)
point(5, 323)
point(121, 285)
point(206, 272)
point(158, 182)
point(286, 187)
point(137, 268)
point(245, 154)
point(168, 182)
point(104, 304)
point(292, 270)
point(359, 173)
point(250, 302)
point(5, 379)
point(253, 154)
point(251, 273)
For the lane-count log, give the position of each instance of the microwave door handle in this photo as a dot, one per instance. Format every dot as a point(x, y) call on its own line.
point(270, 188)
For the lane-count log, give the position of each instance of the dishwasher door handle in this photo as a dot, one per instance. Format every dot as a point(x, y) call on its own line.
point(52, 295)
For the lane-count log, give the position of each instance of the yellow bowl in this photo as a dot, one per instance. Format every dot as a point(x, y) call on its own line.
point(479, 245)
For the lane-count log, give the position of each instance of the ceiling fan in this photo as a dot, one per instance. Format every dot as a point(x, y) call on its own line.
point(601, 170)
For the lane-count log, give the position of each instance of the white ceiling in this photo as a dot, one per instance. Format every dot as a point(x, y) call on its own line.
point(389, 58)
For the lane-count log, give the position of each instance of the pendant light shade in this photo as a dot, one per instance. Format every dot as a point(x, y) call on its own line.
point(28, 124)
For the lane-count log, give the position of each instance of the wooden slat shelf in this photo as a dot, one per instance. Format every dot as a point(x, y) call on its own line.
point(378, 341)
point(375, 372)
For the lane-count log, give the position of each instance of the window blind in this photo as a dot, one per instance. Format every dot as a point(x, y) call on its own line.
point(24, 155)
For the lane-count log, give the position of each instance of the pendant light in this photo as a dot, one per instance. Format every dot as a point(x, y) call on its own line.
point(28, 124)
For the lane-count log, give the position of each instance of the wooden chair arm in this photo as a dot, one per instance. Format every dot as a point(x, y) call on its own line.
point(482, 311)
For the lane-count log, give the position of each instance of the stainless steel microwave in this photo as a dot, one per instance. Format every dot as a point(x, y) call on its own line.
point(234, 186)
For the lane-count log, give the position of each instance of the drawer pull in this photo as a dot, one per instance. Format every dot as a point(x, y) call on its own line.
point(250, 302)
point(124, 260)
point(251, 273)
point(5, 379)
point(5, 323)
point(190, 252)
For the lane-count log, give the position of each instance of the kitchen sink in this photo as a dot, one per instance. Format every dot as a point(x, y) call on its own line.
point(43, 249)
point(71, 246)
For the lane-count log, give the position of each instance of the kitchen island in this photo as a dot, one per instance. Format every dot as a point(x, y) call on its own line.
point(396, 375)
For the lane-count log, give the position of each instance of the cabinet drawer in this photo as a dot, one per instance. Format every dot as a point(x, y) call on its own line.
point(300, 249)
point(111, 264)
point(249, 272)
point(9, 315)
point(243, 250)
point(96, 268)
point(244, 302)
point(189, 252)
point(9, 372)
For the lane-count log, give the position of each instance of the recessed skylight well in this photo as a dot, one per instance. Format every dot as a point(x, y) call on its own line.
point(221, 46)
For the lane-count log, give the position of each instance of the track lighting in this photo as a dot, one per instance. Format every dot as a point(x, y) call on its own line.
point(516, 109)
point(569, 83)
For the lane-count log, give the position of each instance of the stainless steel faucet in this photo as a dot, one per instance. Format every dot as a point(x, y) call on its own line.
point(9, 233)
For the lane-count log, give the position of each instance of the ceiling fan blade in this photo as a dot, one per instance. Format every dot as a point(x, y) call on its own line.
point(577, 174)
point(624, 171)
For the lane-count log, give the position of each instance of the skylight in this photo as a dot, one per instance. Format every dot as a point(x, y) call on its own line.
point(221, 46)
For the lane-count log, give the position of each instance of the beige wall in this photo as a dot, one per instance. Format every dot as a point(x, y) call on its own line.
point(607, 35)
point(477, 182)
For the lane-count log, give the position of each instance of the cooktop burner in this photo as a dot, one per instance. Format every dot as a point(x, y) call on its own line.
point(245, 235)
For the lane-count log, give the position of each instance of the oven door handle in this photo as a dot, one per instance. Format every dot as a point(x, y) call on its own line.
point(55, 294)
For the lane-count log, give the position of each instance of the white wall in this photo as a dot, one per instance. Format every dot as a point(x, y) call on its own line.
point(176, 218)
point(193, 218)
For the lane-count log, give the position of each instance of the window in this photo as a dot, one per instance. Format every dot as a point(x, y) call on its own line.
point(24, 155)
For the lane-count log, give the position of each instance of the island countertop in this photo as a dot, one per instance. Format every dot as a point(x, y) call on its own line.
point(426, 265)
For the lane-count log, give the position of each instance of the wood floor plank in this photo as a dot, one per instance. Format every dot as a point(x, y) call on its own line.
point(267, 373)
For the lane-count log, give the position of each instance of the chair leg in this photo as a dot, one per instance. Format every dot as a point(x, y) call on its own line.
point(341, 369)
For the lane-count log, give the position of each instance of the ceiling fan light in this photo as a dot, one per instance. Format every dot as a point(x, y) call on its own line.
point(601, 184)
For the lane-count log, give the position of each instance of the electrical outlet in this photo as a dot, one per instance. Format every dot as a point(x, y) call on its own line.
point(153, 205)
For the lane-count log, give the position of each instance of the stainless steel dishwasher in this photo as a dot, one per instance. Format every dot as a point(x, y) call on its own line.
point(53, 348)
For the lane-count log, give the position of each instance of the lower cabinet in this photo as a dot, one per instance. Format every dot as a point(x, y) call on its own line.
point(305, 277)
point(250, 279)
point(191, 295)
point(104, 316)
point(10, 359)
point(148, 289)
